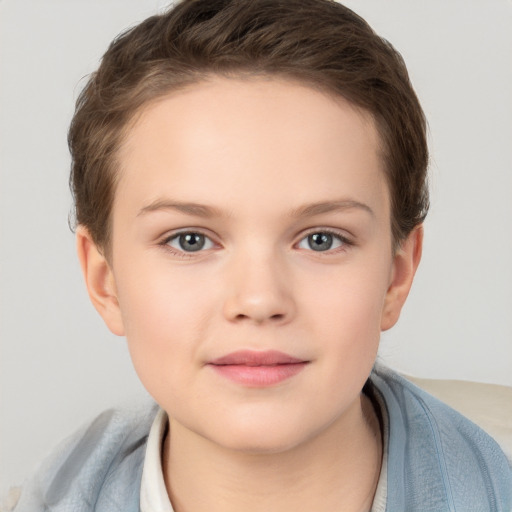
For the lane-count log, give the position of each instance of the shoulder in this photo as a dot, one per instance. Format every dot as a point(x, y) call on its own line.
point(437, 458)
point(97, 468)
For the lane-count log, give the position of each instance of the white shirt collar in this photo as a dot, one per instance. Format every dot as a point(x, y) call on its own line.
point(381, 494)
point(153, 494)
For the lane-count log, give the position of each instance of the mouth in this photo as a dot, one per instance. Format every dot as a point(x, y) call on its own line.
point(258, 368)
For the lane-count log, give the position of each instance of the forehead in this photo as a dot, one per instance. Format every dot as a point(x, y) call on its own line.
point(251, 102)
point(279, 138)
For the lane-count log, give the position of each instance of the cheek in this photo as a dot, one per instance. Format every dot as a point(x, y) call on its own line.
point(157, 298)
point(347, 313)
point(165, 317)
point(349, 299)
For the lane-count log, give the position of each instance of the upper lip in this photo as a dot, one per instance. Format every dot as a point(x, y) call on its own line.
point(256, 358)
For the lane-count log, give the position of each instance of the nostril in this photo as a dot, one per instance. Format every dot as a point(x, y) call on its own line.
point(277, 317)
point(258, 304)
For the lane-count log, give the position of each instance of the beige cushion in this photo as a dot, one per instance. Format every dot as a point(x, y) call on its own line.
point(9, 502)
point(487, 405)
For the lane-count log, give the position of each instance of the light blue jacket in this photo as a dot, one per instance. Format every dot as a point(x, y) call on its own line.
point(437, 460)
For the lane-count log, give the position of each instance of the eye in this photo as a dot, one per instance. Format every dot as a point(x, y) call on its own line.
point(189, 242)
point(322, 241)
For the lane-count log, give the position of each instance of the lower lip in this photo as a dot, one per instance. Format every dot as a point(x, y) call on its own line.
point(259, 376)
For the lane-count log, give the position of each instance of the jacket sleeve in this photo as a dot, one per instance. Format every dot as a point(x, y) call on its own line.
point(98, 469)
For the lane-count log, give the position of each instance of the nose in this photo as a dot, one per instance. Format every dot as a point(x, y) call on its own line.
point(259, 290)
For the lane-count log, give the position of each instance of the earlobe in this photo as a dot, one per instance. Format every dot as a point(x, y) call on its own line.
point(405, 263)
point(99, 280)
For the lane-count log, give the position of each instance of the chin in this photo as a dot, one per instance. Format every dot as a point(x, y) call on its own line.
point(261, 444)
point(260, 437)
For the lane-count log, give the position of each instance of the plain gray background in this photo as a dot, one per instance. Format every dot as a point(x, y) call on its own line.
point(60, 366)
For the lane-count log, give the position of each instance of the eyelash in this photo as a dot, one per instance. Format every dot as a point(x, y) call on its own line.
point(183, 254)
point(346, 242)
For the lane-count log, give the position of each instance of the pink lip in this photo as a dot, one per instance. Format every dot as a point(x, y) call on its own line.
point(258, 369)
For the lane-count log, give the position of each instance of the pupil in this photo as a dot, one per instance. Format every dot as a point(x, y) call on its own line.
point(320, 241)
point(191, 242)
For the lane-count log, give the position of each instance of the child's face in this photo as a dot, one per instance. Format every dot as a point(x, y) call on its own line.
point(283, 196)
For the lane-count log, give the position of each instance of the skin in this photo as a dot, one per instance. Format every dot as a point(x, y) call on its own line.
point(269, 162)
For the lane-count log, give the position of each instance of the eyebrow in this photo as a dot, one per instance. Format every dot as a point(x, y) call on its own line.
point(201, 210)
point(309, 210)
point(195, 209)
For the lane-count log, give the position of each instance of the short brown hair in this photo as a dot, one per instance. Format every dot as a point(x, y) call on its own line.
point(319, 42)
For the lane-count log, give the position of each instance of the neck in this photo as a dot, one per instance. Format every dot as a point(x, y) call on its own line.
point(336, 470)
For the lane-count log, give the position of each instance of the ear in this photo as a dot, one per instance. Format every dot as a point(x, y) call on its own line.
point(99, 280)
point(405, 263)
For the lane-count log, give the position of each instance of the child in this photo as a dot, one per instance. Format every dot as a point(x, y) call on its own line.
point(250, 187)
